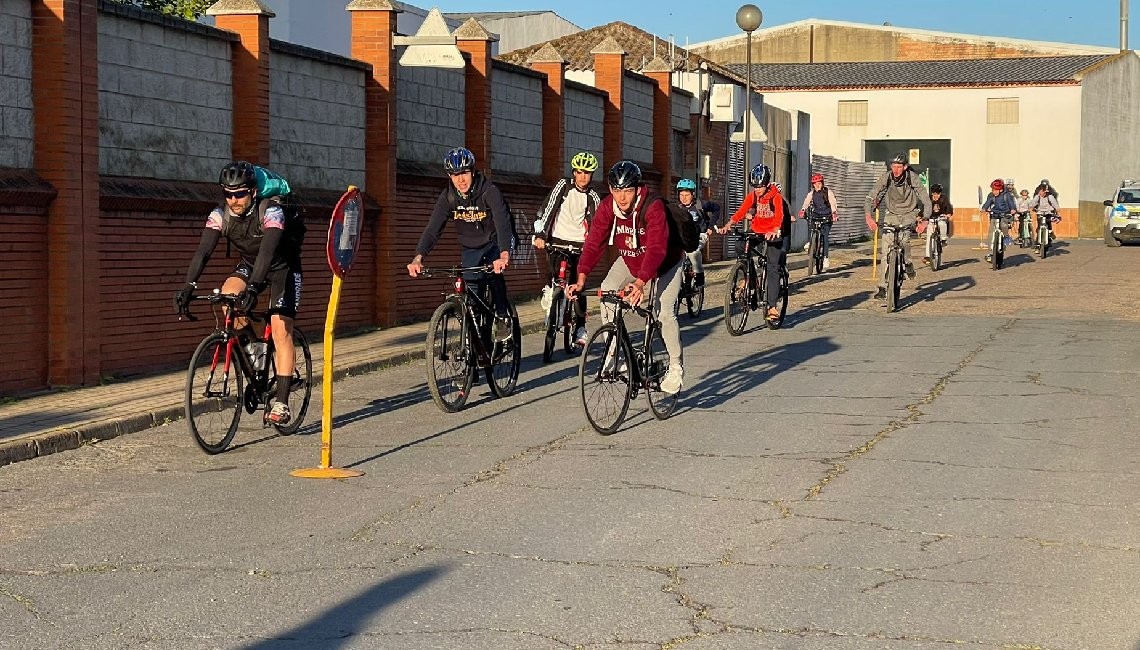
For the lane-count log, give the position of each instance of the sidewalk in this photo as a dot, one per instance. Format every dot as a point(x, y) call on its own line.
point(58, 421)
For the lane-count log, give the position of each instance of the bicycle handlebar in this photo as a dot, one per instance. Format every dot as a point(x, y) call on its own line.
point(455, 271)
point(566, 248)
point(227, 299)
point(618, 298)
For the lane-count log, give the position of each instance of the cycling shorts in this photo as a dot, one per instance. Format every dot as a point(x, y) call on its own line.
point(284, 287)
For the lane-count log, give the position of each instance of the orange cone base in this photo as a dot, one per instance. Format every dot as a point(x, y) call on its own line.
point(325, 472)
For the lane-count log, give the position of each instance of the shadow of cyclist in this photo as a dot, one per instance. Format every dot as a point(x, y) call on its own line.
point(928, 291)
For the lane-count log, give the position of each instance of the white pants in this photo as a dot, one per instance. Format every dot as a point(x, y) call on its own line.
point(666, 287)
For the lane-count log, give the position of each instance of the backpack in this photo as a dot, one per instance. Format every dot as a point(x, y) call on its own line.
point(682, 229)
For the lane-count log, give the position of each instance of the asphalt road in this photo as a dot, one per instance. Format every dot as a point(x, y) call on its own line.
point(960, 473)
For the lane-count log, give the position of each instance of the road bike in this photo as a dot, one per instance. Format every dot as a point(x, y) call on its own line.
point(934, 242)
point(691, 295)
point(459, 341)
point(895, 262)
point(232, 370)
point(997, 239)
point(815, 242)
point(612, 370)
point(562, 313)
point(747, 287)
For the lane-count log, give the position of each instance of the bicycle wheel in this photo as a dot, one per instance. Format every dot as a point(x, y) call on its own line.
point(569, 311)
point(995, 251)
point(814, 265)
point(300, 385)
point(552, 323)
point(736, 305)
point(696, 301)
point(893, 280)
point(604, 379)
point(503, 374)
point(661, 404)
point(1042, 241)
point(449, 376)
point(213, 397)
point(781, 302)
point(935, 251)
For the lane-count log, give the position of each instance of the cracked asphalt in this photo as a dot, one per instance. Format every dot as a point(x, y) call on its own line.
point(960, 473)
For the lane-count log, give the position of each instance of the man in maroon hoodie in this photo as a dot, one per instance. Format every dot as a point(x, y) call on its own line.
point(635, 223)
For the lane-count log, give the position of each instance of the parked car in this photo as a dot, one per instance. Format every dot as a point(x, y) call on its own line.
point(1122, 215)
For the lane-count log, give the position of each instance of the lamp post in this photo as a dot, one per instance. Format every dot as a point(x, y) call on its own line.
point(748, 18)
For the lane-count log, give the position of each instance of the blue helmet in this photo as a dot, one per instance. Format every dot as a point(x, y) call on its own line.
point(687, 184)
point(760, 176)
point(459, 160)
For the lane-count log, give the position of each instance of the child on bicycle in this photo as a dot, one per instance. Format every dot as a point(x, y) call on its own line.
point(820, 200)
point(687, 199)
point(1000, 203)
point(940, 212)
point(483, 225)
point(771, 219)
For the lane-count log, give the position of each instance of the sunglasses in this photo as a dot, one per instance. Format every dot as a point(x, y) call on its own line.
point(240, 194)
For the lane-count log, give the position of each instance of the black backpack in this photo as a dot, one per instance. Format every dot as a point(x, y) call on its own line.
point(682, 228)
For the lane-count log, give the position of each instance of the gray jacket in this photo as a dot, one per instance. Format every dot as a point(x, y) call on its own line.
point(901, 202)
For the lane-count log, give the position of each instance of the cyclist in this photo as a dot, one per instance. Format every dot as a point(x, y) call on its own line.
point(687, 199)
point(1000, 203)
point(636, 224)
point(821, 201)
point(940, 212)
point(1022, 213)
point(771, 219)
point(1045, 204)
point(565, 219)
point(257, 227)
point(904, 201)
point(482, 224)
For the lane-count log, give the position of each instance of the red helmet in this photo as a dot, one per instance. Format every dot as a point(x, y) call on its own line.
point(998, 184)
point(817, 178)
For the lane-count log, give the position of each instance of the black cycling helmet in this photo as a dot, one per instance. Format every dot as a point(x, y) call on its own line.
point(937, 187)
point(760, 176)
point(624, 174)
point(237, 175)
point(900, 158)
point(459, 160)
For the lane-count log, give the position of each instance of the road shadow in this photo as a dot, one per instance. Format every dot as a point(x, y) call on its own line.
point(818, 309)
point(1014, 261)
point(954, 264)
point(377, 406)
point(928, 291)
point(343, 624)
point(800, 285)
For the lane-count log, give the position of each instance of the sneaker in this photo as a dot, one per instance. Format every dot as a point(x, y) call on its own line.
point(1006, 240)
point(547, 297)
point(910, 272)
point(773, 314)
point(881, 294)
point(504, 328)
point(673, 380)
point(945, 241)
point(580, 337)
point(826, 264)
point(807, 246)
point(926, 261)
point(989, 257)
point(279, 414)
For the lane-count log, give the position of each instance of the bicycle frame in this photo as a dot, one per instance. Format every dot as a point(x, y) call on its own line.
point(236, 354)
point(638, 378)
point(477, 314)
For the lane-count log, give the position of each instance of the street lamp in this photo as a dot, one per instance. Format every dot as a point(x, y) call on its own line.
point(748, 18)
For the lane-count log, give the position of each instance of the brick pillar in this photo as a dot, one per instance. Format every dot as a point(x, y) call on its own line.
point(661, 74)
point(609, 75)
point(250, 20)
point(549, 62)
point(65, 99)
point(373, 28)
point(475, 42)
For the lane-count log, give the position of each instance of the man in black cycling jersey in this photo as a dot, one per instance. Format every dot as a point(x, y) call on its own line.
point(564, 220)
point(483, 225)
point(256, 226)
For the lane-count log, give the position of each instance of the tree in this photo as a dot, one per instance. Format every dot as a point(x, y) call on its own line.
point(188, 9)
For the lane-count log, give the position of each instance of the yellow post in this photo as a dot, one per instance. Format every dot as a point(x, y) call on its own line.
point(326, 470)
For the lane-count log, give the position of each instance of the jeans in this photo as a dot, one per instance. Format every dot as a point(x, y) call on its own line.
point(666, 288)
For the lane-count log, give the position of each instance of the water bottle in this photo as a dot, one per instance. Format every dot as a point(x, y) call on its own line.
point(256, 350)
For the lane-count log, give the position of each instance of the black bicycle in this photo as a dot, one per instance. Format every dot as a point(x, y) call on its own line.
point(691, 294)
point(231, 371)
point(460, 342)
point(896, 264)
point(748, 287)
point(815, 243)
point(1044, 229)
point(612, 370)
point(562, 312)
point(934, 242)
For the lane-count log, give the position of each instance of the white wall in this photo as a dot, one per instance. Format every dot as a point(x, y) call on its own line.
point(1110, 127)
point(1045, 142)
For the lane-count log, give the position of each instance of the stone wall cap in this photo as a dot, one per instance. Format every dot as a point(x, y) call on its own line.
point(239, 8)
point(608, 46)
point(473, 30)
point(547, 54)
point(372, 5)
point(657, 65)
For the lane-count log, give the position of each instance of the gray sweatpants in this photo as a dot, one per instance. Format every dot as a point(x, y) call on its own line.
point(666, 286)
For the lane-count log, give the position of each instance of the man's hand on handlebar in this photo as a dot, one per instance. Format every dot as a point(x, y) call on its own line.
point(416, 267)
point(573, 289)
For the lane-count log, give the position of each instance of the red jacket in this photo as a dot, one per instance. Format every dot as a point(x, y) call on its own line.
point(641, 238)
point(768, 216)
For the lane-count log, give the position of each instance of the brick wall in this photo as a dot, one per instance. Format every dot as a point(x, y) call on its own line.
point(16, 131)
point(316, 110)
point(637, 118)
point(923, 50)
point(22, 298)
point(429, 112)
point(164, 96)
point(516, 119)
point(585, 113)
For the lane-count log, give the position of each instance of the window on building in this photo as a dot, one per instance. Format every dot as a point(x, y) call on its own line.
point(853, 113)
point(1002, 110)
point(677, 157)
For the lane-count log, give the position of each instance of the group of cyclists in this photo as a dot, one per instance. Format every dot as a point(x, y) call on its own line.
point(575, 225)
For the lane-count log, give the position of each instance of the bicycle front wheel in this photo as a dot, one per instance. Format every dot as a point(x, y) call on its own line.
point(736, 300)
point(503, 373)
point(995, 251)
point(815, 259)
point(894, 280)
point(935, 251)
point(604, 379)
point(551, 326)
point(449, 376)
point(214, 390)
point(696, 301)
point(1042, 241)
point(661, 404)
point(300, 384)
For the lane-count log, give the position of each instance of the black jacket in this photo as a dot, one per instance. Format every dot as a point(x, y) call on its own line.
point(481, 217)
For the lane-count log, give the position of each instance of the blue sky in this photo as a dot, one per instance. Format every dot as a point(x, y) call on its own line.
point(1088, 22)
